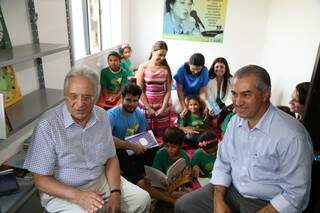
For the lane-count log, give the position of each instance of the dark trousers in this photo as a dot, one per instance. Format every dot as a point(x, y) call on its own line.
point(132, 167)
point(201, 201)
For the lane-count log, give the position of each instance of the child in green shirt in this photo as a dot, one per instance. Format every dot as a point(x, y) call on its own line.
point(203, 159)
point(112, 79)
point(193, 123)
point(125, 52)
point(173, 138)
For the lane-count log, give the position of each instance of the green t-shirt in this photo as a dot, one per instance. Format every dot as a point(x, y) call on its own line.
point(191, 120)
point(226, 121)
point(163, 162)
point(126, 64)
point(204, 161)
point(113, 81)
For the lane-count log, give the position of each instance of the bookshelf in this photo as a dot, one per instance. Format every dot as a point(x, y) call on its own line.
point(23, 114)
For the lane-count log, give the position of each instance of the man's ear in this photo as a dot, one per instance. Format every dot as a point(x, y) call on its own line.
point(267, 94)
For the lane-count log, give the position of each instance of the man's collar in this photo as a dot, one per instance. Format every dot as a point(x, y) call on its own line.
point(264, 122)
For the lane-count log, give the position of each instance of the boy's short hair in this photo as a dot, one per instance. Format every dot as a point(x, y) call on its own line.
point(114, 53)
point(208, 140)
point(131, 88)
point(173, 135)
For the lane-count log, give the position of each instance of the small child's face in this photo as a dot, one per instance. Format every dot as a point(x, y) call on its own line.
point(114, 62)
point(173, 150)
point(193, 106)
point(126, 53)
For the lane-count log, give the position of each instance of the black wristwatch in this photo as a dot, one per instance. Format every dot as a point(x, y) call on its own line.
point(115, 190)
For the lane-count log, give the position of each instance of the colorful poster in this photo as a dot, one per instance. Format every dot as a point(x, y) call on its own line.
point(8, 82)
point(194, 20)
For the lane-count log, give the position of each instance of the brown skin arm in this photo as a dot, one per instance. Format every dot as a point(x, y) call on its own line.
point(268, 209)
point(140, 83)
point(122, 144)
point(182, 99)
point(218, 200)
point(167, 95)
point(89, 200)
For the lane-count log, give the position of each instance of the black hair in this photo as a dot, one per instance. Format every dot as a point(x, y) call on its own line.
point(131, 88)
point(197, 59)
point(302, 90)
point(173, 135)
point(287, 110)
point(198, 99)
point(114, 53)
point(168, 2)
point(226, 75)
point(208, 136)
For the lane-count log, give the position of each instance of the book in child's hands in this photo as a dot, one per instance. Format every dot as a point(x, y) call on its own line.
point(146, 139)
point(174, 178)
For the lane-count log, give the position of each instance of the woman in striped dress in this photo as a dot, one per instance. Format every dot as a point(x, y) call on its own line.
point(154, 77)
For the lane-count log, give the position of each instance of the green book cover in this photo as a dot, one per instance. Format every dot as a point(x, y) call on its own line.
point(5, 42)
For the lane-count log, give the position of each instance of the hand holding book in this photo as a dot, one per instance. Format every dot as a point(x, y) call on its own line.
point(141, 141)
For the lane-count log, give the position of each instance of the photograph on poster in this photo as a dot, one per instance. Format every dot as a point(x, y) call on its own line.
point(194, 20)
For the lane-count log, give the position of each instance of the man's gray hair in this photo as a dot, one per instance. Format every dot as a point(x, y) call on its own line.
point(263, 78)
point(83, 71)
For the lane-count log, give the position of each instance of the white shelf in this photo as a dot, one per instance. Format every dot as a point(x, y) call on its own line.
point(22, 117)
point(21, 53)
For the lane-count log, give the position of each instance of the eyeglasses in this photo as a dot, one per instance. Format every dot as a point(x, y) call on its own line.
point(84, 98)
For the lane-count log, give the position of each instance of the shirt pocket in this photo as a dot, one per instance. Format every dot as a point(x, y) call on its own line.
point(101, 153)
point(264, 167)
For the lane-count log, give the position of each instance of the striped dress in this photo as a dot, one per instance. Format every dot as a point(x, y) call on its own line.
point(155, 90)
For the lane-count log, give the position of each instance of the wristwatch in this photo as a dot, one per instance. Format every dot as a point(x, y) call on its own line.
point(115, 190)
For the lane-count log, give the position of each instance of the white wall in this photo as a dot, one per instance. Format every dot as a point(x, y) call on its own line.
point(282, 36)
point(291, 44)
point(241, 32)
point(52, 29)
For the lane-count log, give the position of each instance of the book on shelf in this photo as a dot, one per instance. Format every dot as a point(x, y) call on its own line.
point(9, 86)
point(174, 178)
point(146, 139)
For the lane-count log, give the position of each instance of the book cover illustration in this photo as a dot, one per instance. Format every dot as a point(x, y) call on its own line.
point(9, 86)
point(174, 178)
point(146, 139)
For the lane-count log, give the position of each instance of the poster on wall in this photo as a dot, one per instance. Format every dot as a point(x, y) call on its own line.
point(194, 20)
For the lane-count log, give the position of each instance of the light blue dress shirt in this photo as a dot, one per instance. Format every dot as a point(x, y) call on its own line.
point(72, 154)
point(271, 161)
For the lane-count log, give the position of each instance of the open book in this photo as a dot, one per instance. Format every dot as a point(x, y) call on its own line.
point(146, 139)
point(174, 178)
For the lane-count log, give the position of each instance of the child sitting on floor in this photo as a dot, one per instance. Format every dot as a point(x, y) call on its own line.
point(203, 158)
point(173, 138)
point(194, 122)
point(111, 80)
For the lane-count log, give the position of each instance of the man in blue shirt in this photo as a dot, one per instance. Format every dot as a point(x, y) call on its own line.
point(72, 155)
point(264, 161)
point(126, 120)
